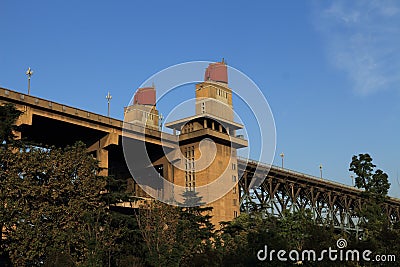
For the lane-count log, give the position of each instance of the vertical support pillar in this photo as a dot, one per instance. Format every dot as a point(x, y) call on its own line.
point(102, 157)
point(100, 147)
point(24, 119)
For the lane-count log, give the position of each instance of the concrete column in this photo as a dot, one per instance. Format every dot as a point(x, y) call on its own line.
point(24, 119)
point(205, 123)
point(100, 147)
point(26, 116)
point(212, 125)
point(102, 157)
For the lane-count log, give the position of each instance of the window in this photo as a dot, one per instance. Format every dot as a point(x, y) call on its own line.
point(235, 214)
point(189, 166)
point(234, 190)
point(233, 166)
point(234, 202)
point(233, 178)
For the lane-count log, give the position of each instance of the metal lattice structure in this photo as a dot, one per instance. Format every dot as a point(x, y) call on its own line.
point(330, 203)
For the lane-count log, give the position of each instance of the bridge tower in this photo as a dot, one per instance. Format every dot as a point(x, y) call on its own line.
point(143, 111)
point(208, 143)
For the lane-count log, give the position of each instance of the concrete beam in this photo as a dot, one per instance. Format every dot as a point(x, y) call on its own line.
point(109, 139)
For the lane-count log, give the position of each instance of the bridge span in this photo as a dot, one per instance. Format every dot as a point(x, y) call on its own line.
point(330, 203)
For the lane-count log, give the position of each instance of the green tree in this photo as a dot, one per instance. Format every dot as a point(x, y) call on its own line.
point(375, 222)
point(158, 224)
point(376, 183)
point(54, 209)
point(177, 236)
point(293, 227)
point(125, 246)
point(52, 203)
point(8, 116)
point(196, 231)
point(243, 237)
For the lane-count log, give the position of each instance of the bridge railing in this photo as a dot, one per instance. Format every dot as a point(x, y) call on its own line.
point(296, 173)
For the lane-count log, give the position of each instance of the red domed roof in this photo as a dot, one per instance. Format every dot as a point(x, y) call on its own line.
point(145, 96)
point(216, 72)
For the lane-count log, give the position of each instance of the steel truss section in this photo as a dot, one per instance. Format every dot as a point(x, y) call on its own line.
point(330, 203)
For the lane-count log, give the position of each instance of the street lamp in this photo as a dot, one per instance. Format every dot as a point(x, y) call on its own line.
point(29, 73)
point(352, 179)
point(108, 97)
point(282, 156)
point(320, 169)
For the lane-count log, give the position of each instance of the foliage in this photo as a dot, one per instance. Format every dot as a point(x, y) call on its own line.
point(294, 228)
point(55, 210)
point(246, 235)
point(376, 183)
point(196, 231)
point(158, 224)
point(176, 236)
point(125, 244)
point(8, 116)
point(52, 201)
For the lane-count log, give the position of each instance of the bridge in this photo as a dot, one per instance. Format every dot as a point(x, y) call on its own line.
point(330, 203)
point(50, 123)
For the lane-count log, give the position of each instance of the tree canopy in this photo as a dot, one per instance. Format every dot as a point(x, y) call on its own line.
point(375, 182)
point(8, 116)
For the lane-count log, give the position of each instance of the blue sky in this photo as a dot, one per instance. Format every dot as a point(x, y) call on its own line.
point(329, 70)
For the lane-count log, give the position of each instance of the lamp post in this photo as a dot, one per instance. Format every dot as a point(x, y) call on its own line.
point(282, 156)
point(108, 97)
point(29, 73)
point(352, 179)
point(320, 169)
